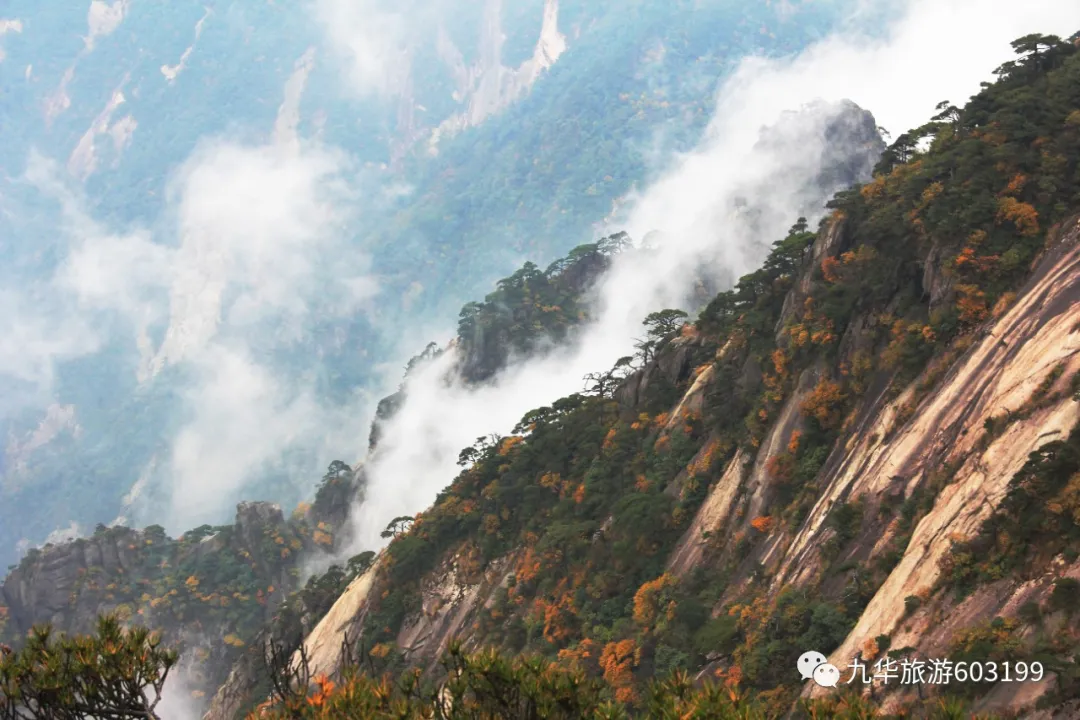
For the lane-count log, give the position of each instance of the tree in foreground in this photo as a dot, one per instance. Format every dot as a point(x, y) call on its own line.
point(114, 674)
point(485, 685)
point(476, 686)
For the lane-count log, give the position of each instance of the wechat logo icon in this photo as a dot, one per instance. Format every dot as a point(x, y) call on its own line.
point(808, 662)
point(826, 675)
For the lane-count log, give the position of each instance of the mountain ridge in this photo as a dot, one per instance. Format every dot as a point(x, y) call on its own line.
point(902, 371)
point(868, 447)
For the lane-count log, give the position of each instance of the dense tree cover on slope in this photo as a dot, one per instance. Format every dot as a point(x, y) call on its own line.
point(938, 242)
point(531, 308)
point(573, 489)
point(529, 312)
point(209, 579)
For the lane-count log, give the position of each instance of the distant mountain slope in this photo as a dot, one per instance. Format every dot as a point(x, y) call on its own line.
point(137, 297)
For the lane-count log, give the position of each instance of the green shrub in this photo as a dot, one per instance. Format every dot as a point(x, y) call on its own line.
point(718, 635)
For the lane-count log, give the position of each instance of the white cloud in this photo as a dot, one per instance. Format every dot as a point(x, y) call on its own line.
point(899, 79)
point(176, 700)
point(102, 270)
point(243, 415)
point(250, 253)
point(248, 419)
point(118, 272)
point(936, 50)
point(103, 18)
point(258, 221)
point(33, 339)
point(262, 256)
point(6, 26)
point(370, 40)
point(63, 535)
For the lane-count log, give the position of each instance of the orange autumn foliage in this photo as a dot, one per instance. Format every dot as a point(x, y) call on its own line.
point(873, 189)
point(609, 439)
point(704, 460)
point(324, 686)
point(509, 444)
point(763, 523)
point(932, 191)
point(780, 362)
point(732, 676)
point(584, 655)
point(812, 328)
point(560, 618)
point(848, 265)
point(781, 467)
point(971, 304)
point(650, 597)
point(1024, 216)
point(829, 270)
point(967, 260)
point(1016, 185)
point(618, 661)
point(824, 403)
point(528, 567)
point(550, 480)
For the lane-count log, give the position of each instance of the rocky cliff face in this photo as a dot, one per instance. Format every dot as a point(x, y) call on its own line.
point(867, 447)
point(210, 592)
point(487, 86)
point(171, 585)
point(42, 590)
point(1022, 365)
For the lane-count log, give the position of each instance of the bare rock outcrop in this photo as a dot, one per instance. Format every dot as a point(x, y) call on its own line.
point(999, 374)
point(44, 588)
